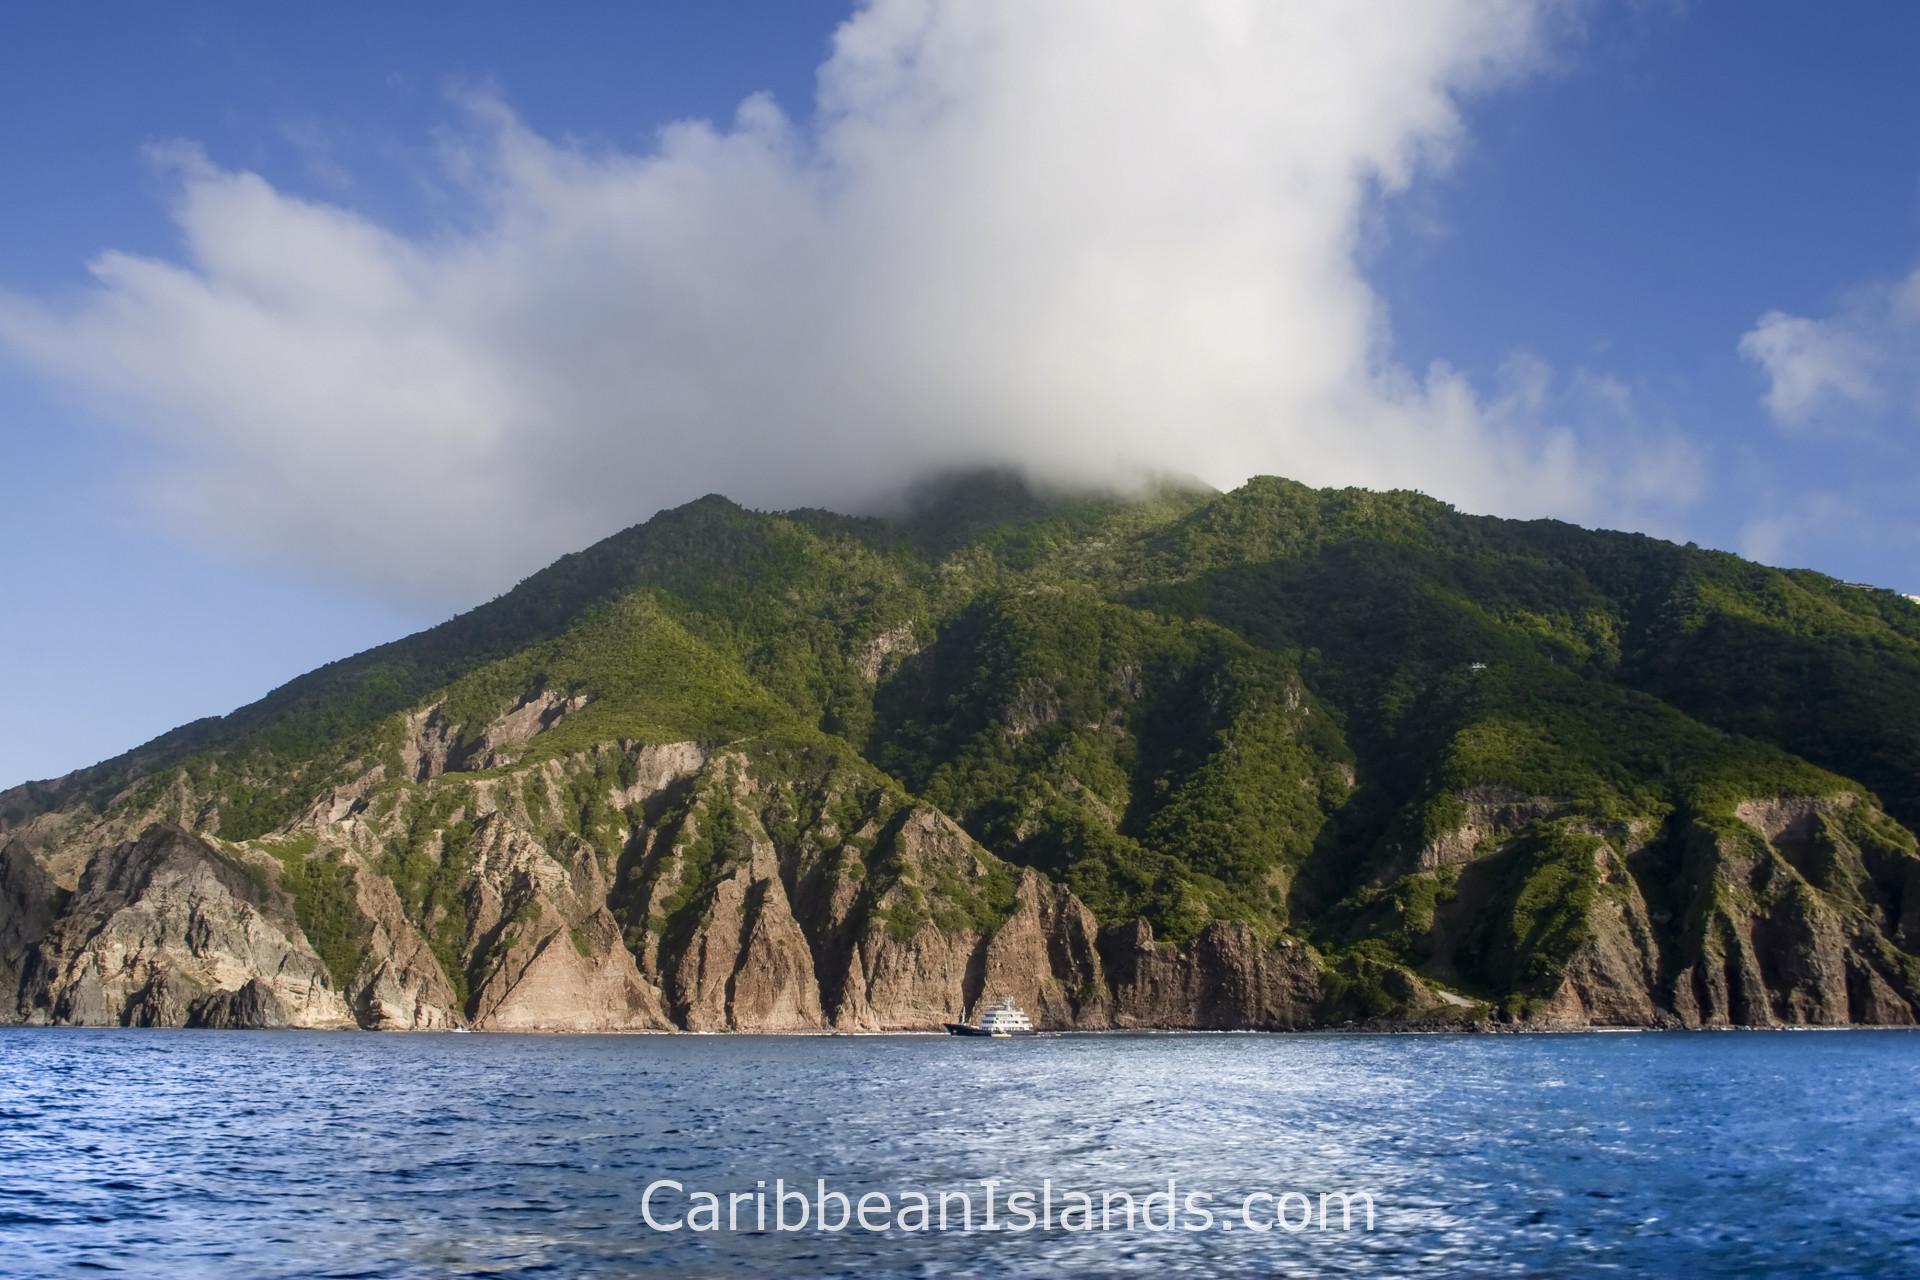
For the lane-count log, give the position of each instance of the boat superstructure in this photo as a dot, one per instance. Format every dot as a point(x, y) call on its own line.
point(1002, 1021)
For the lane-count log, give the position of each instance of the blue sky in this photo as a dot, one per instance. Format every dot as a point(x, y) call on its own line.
point(1649, 266)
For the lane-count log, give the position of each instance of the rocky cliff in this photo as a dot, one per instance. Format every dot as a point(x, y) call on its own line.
point(777, 887)
point(1265, 760)
point(770, 887)
point(168, 930)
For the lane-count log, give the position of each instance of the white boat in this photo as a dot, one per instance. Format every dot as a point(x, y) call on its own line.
point(1003, 1021)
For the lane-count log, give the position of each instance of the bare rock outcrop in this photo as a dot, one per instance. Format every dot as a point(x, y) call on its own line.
point(746, 965)
point(400, 986)
point(1046, 957)
point(891, 923)
point(1224, 980)
point(166, 928)
point(575, 978)
point(1489, 815)
point(885, 652)
point(432, 743)
point(30, 902)
point(1772, 918)
point(255, 1006)
point(1770, 948)
point(1613, 980)
point(673, 886)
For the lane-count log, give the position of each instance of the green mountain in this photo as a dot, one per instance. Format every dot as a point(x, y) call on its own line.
point(1276, 757)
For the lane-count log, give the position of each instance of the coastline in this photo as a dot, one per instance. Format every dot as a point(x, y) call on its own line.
point(1476, 1030)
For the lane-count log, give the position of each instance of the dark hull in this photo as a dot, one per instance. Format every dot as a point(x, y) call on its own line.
point(962, 1029)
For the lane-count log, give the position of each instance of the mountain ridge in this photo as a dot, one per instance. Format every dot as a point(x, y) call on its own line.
point(1274, 757)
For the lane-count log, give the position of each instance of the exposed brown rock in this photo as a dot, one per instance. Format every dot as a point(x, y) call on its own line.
point(709, 897)
point(1614, 980)
point(432, 744)
point(157, 924)
point(747, 966)
point(1225, 980)
point(30, 902)
point(578, 978)
point(1779, 927)
point(1046, 957)
point(1491, 814)
point(400, 986)
point(254, 1006)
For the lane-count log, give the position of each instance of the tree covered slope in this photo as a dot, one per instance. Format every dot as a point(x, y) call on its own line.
point(1275, 757)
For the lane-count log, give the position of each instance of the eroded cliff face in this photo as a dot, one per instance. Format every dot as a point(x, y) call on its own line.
point(1796, 918)
point(30, 902)
point(1790, 911)
point(784, 885)
point(167, 930)
point(630, 887)
point(1224, 980)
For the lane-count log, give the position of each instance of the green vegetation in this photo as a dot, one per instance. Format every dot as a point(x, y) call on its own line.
point(1269, 706)
point(323, 903)
point(430, 865)
point(1542, 919)
point(1164, 768)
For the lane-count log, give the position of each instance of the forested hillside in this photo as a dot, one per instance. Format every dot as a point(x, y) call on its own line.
point(1276, 757)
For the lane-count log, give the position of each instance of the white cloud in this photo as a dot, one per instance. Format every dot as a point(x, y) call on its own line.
point(1088, 238)
point(1810, 364)
point(1855, 367)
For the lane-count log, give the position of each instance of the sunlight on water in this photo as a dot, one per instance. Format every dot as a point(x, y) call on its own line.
point(289, 1154)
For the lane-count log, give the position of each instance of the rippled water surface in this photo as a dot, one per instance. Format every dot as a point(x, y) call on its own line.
point(157, 1153)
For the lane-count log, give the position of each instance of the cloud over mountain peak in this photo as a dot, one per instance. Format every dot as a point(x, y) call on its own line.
point(1088, 240)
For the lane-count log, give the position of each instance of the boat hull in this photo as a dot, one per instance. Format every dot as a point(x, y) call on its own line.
point(964, 1029)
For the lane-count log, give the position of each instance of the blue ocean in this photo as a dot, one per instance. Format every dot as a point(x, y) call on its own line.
point(168, 1153)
